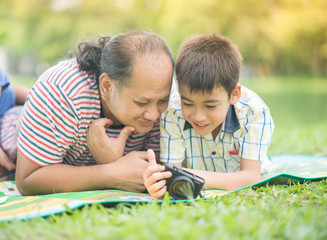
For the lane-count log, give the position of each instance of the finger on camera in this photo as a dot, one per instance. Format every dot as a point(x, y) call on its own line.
point(153, 169)
point(156, 186)
point(158, 194)
point(151, 157)
point(161, 175)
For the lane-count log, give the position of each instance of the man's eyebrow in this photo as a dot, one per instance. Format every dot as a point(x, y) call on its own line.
point(167, 97)
point(149, 100)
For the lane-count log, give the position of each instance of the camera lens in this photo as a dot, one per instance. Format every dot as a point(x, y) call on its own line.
point(181, 188)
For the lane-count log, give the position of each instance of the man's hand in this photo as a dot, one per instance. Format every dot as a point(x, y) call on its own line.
point(154, 177)
point(128, 171)
point(106, 149)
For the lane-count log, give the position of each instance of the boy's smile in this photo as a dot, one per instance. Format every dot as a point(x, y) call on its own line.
point(206, 111)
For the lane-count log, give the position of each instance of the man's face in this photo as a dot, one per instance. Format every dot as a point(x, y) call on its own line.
point(205, 111)
point(144, 98)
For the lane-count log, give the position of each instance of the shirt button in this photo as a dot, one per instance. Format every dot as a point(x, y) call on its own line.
point(213, 153)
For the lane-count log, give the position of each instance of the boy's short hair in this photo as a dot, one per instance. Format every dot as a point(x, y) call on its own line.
point(208, 61)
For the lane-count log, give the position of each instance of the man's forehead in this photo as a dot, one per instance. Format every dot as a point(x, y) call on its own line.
point(143, 94)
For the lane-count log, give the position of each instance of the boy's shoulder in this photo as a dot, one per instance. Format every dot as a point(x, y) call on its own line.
point(173, 117)
point(250, 101)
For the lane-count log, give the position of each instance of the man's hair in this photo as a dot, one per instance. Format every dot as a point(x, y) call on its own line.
point(208, 61)
point(116, 55)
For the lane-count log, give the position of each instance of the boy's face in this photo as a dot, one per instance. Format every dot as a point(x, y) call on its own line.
point(207, 111)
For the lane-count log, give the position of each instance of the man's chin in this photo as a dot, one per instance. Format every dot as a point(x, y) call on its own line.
point(142, 130)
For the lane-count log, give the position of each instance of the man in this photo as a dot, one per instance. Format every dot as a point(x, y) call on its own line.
point(122, 83)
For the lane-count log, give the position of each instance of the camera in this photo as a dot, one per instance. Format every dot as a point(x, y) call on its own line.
point(183, 184)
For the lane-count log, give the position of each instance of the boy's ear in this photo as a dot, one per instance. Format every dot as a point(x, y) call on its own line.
point(236, 94)
point(105, 85)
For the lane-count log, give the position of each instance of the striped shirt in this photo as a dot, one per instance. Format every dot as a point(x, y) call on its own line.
point(59, 110)
point(246, 133)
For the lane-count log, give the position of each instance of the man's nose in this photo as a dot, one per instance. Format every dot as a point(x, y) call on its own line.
point(152, 113)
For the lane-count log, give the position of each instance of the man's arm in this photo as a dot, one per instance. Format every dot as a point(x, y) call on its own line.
point(125, 174)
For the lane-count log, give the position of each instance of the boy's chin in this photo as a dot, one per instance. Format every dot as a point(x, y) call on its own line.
point(202, 133)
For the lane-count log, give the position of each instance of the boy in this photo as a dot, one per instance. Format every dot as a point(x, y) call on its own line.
point(222, 130)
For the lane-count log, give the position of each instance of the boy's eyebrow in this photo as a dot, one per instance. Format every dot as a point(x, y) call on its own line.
point(207, 101)
point(212, 101)
point(184, 98)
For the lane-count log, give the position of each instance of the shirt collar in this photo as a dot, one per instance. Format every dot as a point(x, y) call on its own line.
point(231, 122)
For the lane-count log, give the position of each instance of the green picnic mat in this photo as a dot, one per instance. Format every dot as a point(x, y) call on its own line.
point(286, 168)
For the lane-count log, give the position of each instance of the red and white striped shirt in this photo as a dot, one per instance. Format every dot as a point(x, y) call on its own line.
point(59, 110)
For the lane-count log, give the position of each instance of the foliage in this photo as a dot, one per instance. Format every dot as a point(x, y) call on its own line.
point(274, 36)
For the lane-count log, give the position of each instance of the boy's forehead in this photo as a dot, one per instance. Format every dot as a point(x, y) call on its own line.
point(185, 89)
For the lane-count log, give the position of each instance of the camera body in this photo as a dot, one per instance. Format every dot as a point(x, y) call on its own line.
point(183, 184)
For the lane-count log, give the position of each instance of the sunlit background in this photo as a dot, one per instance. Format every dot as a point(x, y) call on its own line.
point(283, 43)
point(275, 37)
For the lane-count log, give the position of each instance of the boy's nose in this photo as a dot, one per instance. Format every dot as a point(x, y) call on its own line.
point(198, 116)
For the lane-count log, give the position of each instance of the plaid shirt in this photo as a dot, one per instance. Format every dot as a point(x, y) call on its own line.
point(246, 133)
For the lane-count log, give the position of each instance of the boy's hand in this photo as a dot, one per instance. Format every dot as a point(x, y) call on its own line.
point(154, 177)
point(106, 149)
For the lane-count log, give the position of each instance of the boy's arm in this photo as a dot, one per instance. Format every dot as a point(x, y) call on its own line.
point(154, 177)
point(126, 174)
point(250, 173)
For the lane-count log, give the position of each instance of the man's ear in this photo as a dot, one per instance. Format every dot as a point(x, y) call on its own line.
point(236, 94)
point(105, 85)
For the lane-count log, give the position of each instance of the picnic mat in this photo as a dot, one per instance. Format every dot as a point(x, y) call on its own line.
point(286, 168)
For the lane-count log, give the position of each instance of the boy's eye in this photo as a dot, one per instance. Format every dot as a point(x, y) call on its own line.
point(187, 104)
point(211, 106)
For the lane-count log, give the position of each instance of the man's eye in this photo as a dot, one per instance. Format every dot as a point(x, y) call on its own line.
point(140, 103)
point(163, 101)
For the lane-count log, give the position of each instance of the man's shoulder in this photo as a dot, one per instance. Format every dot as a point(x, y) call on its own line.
point(67, 78)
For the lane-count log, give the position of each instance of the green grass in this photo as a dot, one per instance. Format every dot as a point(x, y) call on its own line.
point(296, 211)
point(272, 212)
